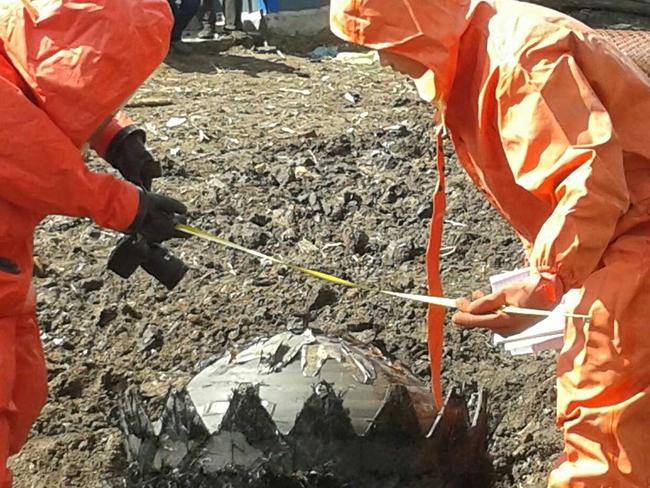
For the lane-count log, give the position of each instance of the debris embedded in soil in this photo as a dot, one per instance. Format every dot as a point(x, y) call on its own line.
point(303, 403)
point(321, 296)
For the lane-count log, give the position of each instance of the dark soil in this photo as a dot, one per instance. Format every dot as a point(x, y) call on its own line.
point(273, 155)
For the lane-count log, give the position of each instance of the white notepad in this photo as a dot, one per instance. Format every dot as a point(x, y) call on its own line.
point(547, 333)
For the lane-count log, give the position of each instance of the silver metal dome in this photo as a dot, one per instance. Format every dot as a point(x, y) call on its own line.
point(287, 369)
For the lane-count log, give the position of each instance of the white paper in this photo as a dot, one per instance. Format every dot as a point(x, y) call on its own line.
point(545, 334)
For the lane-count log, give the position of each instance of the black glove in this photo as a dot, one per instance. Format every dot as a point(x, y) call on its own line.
point(128, 154)
point(157, 217)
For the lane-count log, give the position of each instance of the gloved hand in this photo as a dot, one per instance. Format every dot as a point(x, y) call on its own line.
point(157, 217)
point(538, 291)
point(128, 154)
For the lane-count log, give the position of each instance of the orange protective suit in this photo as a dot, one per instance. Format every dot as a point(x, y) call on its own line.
point(103, 139)
point(65, 67)
point(550, 121)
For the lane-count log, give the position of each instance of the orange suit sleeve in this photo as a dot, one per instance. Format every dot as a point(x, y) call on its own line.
point(561, 146)
point(103, 139)
point(43, 171)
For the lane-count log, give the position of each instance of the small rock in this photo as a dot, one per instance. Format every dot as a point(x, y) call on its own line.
point(402, 251)
point(154, 388)
point(358, 240)
point(106, 316)
point(283, 175)
point(175, 122)
point(92, 284)
point(311, 134)
point(337, 212)
point(393, 193)
point(360, 324)
point(366, 336)
point(288, 235)
point(352, 206)
point(152, 339)
point(253, 238)
point(194, 318)
point(64, 318)
point(296, 324)
point(313, 200)
point(302, 172)
point(352, 98)
point(403, 282)
point(350, 196)
point(262, 314)
point(302, 198)
point(282, 217)
point(321, 297)
point(40, 269)
point(307, 247)
point(425, 211)
point(234, 334)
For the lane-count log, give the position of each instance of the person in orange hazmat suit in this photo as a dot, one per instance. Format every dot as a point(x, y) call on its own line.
point(550, 122)
point(66, 66)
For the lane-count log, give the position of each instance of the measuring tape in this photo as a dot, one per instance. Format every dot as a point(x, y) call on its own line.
point(431, 300)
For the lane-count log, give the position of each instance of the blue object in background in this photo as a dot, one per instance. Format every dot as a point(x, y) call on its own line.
point(269, 5)
point(295, 5)
point(274, 6)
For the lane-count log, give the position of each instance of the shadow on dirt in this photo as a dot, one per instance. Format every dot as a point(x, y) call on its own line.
point(202, 62)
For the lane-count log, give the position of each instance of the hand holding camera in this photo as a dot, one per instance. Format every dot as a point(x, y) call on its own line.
point(157, 217)
point(154, 223)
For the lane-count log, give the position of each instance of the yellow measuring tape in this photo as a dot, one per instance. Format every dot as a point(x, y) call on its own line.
point(431, 300)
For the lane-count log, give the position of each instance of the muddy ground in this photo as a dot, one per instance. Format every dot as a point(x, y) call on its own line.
point(324, 163)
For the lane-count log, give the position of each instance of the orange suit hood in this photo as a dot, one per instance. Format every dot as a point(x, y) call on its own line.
point(81, 59)
point(426, 31)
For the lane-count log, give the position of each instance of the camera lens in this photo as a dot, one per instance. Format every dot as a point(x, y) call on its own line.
point(164, 266)
point(127, 256)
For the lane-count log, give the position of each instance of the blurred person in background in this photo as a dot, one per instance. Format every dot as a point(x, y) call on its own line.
point(184, 11)
point(207, 15)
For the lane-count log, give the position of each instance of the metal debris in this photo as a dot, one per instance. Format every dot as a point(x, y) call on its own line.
point(314, 357)
point(301, 403)
point(175, 122)
point(284, 394)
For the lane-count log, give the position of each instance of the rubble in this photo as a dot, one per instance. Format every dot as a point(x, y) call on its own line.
point(321, 296)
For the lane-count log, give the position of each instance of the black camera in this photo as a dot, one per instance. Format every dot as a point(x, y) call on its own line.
point(133, 251)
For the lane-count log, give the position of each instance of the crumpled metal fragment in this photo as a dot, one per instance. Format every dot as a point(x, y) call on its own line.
point(285, 367)
point(314, 356)
point(300, 403)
